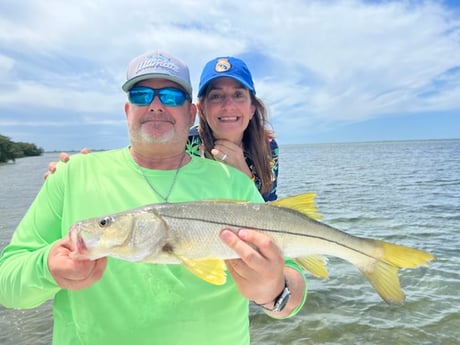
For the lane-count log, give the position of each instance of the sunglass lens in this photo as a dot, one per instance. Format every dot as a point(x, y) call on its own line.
point(172, 97)
point(141, 96)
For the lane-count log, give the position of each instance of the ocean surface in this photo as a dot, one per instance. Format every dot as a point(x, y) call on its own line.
point(406, 192)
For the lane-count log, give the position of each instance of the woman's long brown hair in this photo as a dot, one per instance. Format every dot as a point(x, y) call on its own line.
point(256, 141)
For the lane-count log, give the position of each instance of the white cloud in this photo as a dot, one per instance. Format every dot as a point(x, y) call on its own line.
point(6, 65)
point(315, 63)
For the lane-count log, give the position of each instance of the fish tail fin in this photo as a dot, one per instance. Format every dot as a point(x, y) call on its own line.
point(404, 257)
point(383, 275)
point(315, 264)
point(384, 278)
point(303, 203)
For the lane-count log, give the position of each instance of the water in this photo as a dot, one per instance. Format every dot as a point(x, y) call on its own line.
point(404, 192)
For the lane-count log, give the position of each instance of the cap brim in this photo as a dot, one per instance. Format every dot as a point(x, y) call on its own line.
point(205, 85)
point(130, 83)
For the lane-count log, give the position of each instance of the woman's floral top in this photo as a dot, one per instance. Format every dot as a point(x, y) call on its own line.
point(193, 148)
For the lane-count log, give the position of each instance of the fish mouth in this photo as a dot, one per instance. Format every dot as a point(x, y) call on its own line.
point(79, 245)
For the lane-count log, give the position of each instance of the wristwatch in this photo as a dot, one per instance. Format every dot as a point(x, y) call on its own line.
point(281, 300)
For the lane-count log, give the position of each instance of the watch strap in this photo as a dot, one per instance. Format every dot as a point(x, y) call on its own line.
point(280, 301)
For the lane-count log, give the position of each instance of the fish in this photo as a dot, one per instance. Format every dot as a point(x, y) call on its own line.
point(187, 233)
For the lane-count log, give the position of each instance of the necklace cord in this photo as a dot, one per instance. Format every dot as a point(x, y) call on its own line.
point(166, 197)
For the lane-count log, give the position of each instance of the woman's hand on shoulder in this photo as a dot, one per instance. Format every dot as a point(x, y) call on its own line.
point(63, 157)
point(231, 154)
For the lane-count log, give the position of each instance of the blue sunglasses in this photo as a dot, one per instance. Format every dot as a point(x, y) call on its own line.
point(169, 96)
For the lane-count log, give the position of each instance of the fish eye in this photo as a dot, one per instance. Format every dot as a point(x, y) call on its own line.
point(103, 222)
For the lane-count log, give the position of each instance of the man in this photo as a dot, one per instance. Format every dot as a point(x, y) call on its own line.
point(110, 301)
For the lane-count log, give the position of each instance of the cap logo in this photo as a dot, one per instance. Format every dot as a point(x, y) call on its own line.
point(157, 61)
point(222, 65)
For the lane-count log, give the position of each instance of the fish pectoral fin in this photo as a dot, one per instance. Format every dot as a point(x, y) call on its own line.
point(210, 270)
point(315, 264)
point(303, 203)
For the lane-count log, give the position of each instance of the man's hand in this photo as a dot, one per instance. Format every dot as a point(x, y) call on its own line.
point(259, 274)
point(73, 274)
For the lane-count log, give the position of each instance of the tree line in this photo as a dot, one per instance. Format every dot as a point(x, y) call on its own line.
point(10, 150)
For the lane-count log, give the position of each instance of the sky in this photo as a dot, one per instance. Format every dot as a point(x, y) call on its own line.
point(329, 71)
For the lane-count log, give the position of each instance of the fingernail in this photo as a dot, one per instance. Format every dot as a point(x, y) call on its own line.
point(243, 234)
point(226, 235)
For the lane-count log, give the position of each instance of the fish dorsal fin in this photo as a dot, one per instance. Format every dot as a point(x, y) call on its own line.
point(315, 264)
point(210, 270)
point(303, 203)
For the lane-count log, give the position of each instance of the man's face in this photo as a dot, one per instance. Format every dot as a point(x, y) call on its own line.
point(156, 122)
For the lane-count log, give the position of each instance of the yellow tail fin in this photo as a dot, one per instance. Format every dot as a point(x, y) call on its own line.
point(384, 278)
point(404, 257)
point(383, 275)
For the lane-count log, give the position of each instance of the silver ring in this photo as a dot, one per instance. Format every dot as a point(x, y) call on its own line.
point(224, 157)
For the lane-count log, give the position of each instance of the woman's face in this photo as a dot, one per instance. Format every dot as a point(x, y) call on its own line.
point(228, 108)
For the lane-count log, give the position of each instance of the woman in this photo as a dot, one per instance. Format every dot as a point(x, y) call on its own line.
point(233, 125)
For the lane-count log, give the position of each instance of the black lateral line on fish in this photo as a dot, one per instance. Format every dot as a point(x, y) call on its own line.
point(284, 232)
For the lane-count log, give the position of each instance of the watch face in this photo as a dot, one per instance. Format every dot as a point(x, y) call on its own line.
point(282, 300)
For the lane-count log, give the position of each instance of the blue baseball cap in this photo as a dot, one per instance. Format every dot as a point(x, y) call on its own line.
point(228, 66)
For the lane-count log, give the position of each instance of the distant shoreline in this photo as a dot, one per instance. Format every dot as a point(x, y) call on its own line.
point(300, 144)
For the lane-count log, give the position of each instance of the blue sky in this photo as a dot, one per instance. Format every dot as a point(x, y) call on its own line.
point(330, 71)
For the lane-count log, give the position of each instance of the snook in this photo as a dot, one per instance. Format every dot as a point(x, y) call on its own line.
point(188, 233)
